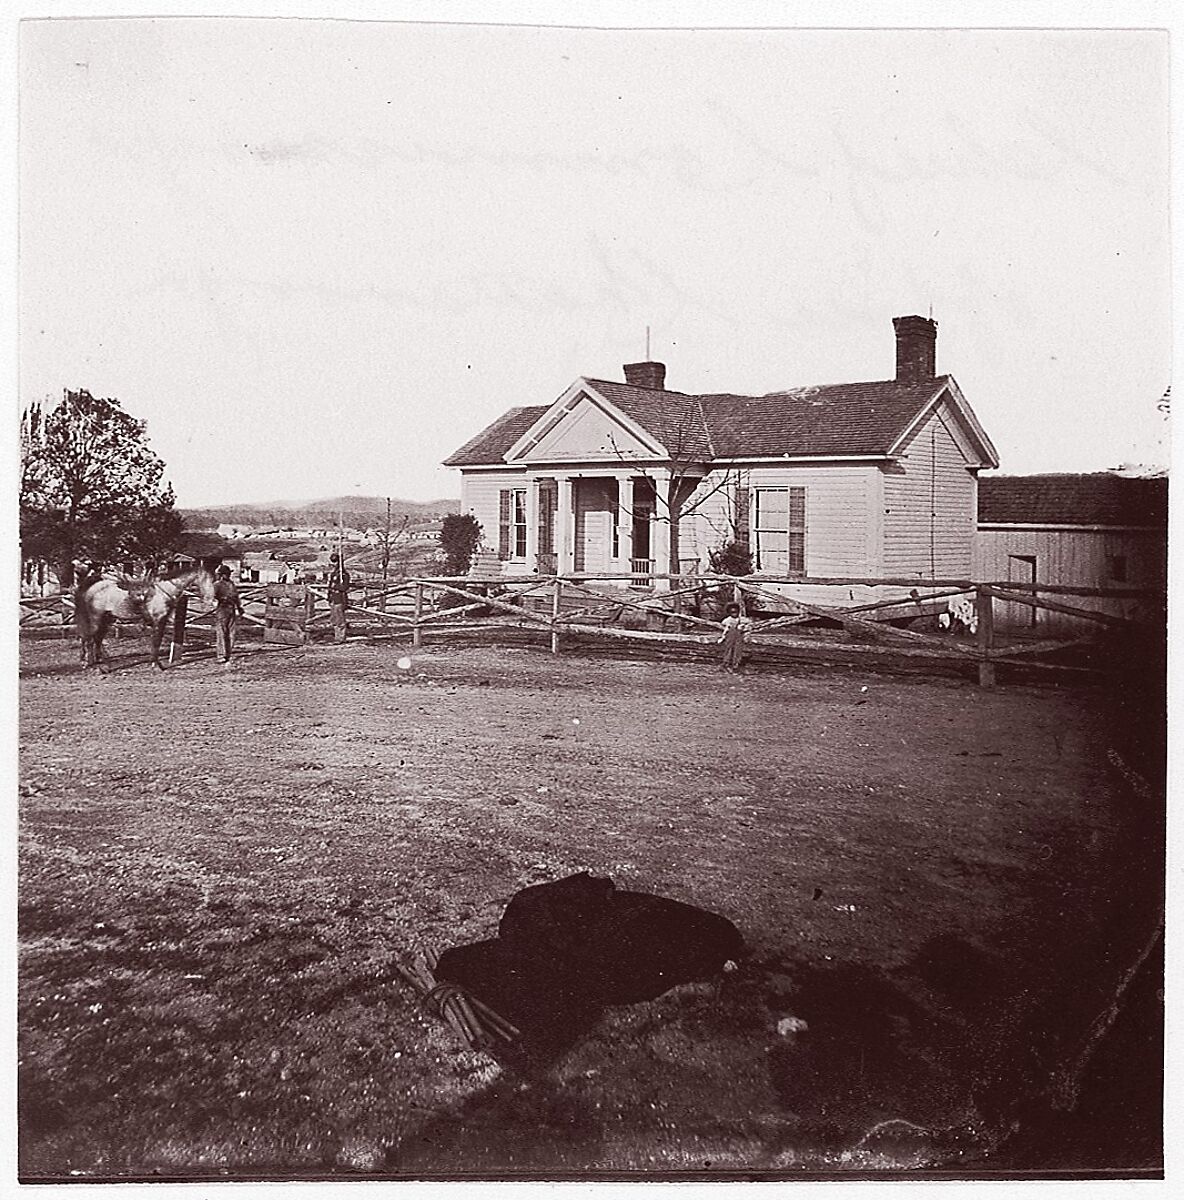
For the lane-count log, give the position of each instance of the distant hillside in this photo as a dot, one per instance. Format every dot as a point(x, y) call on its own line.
point(356, 511)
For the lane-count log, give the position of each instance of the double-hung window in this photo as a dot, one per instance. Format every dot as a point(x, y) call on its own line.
point(779, 530)
point(518, 522)
point(511, 519)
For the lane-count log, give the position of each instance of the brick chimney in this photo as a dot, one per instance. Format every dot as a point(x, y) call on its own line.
point(646, 375)
point(916, 348)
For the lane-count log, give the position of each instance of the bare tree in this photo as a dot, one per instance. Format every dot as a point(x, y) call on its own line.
point(387, 542)
point(693, 483)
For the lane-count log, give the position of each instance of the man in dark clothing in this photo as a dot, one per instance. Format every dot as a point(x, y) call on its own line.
point(338, 596)
point(226, 615)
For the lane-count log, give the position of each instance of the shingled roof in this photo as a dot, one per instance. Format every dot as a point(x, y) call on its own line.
point(491, 444)
point(1100, 498)
point(831, 419)
point(841, 418)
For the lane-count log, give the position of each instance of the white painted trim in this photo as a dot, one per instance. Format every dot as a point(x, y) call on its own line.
point(949, 388)
point(875, 524)
point(478, 468)
point(569, 402)
point(1006, 525)
point(713, 463)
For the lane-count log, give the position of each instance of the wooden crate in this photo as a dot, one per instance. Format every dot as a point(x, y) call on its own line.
point(287, 613)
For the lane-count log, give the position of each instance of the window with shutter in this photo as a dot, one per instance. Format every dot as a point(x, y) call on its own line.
point(742, 517)
point(518, 518)
point(797, 531)
point(779, 526)
point(548, 505)
point(503, 524)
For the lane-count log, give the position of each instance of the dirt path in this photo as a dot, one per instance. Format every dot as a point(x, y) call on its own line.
point(218, 863)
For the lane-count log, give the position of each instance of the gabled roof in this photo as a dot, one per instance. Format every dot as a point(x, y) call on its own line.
point(493, 441)
point(674, 418)
point(1100, 498)
point(831, 420)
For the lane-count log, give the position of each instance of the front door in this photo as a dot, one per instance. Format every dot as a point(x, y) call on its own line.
point(595, 504)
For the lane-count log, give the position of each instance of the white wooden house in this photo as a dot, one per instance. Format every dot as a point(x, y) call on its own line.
point(870, 479)
point(263, 567)
point(1098, 530)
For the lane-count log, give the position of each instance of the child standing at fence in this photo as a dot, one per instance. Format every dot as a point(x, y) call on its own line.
point(732, 639)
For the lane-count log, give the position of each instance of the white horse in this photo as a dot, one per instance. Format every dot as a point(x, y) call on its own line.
point(99, 605)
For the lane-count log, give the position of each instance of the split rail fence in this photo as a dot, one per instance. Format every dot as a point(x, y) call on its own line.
point(688, 611)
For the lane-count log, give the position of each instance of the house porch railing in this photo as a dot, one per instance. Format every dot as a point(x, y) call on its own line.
point(641, 570)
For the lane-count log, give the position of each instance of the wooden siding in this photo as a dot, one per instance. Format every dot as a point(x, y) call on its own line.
point(839, 527)
point(479, 495)
point(1076, 557)
point(930, 503)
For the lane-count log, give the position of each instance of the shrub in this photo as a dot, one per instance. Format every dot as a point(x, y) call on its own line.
point(732, 558)
point(459, 537)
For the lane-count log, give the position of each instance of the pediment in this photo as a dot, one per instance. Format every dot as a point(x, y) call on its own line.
point(585, 428)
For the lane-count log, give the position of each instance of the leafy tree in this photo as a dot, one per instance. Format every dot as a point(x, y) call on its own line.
point(91, 486)
point(460, 534)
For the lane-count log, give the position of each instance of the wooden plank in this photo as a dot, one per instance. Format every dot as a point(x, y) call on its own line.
point(498, 604)
point(1065, 589)
point(290, 591)
point(1086, 614)
point(786, 622)
point(287, 637)
point(649, 608)
point(876, 630)
point(444, 613)
point(286, 613)
point(379, 614)
point(907, 601)
point(959, 585)
point(774, 597)
point(984, 609)
point(1046, 647)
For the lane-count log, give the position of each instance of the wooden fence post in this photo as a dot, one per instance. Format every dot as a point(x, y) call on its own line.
point(984, 608)
point(416, 632)
point(555, 597)
point(179, 614)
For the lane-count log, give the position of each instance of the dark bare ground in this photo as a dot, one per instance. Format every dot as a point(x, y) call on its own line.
point(947, 885)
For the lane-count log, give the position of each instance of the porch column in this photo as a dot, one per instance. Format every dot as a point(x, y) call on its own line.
point(532, 524)
point(660, 531)
point(565, 550)
point(625, 521)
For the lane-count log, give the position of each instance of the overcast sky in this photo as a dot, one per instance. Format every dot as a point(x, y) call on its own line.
point(316, 257)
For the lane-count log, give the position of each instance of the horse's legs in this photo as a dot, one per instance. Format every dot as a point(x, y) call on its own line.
point(158, 628)
point(95, 645)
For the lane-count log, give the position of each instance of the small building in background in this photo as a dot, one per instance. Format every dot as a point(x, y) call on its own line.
point(263, 567)
point(1105, 529)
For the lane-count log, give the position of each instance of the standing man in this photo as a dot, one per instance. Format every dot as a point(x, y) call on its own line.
point(338, 596)
point(226, 615)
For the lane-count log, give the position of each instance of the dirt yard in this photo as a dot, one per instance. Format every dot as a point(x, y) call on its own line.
point(948, 886)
